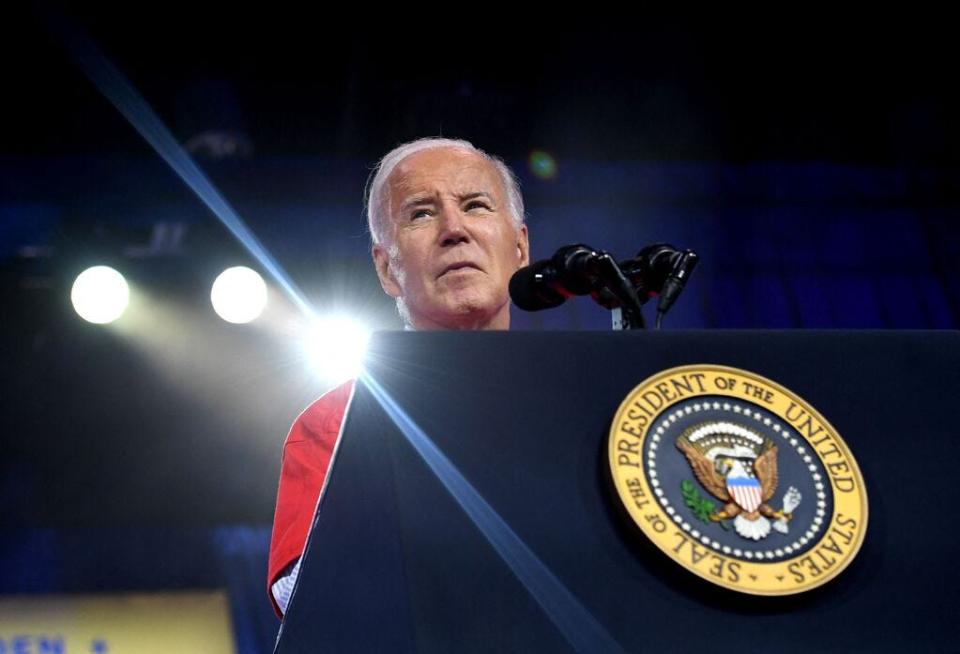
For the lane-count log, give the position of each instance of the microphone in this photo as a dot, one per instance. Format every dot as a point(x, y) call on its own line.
point(579, 270)
point(660, 269)
point(548, 283)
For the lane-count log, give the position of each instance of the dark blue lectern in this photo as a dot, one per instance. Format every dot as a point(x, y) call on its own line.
point(470, 509)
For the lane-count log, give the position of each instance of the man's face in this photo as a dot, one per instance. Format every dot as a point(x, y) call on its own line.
point(449, 243)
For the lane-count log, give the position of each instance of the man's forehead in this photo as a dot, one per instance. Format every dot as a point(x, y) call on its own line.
point(444, 169)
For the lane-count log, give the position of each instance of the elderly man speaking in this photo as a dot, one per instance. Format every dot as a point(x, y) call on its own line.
point(446, 220)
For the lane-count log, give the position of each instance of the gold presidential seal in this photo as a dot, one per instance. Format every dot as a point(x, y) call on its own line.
point(738, 479)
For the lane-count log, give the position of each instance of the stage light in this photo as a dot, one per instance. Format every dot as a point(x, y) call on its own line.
point(336, 346)
point(100, 295)
point(239, 294)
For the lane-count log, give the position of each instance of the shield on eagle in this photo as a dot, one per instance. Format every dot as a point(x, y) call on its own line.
point(746, 492)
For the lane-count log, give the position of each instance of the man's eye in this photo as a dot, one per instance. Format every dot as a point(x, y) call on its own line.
point(419, 213)
point(477, 204)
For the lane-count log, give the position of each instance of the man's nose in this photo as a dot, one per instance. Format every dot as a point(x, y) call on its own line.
point(453, 226)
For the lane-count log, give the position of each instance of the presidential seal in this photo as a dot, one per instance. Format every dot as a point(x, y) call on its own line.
point(738, 480)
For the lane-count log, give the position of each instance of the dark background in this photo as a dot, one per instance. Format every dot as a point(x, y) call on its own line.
point(814, 163)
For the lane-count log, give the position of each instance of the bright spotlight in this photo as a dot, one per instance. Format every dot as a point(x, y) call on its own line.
point(336, 345)
point(239, 294)
point(100, 295)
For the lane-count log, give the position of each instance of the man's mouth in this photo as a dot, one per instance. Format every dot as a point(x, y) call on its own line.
point(459, 266)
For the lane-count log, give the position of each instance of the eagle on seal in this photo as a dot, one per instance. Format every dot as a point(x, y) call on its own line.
point(738, 467)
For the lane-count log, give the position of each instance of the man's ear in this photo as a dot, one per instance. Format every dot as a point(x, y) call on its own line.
point(381, 261)
point(523, 247)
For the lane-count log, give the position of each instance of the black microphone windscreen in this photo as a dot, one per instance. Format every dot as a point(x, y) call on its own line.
point(530, 290)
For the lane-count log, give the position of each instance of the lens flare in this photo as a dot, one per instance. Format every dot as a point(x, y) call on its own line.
point(542, 164)
point(336, 346)
point(575, 622)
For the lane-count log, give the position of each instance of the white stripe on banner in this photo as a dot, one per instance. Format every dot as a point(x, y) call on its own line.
point(748, 497)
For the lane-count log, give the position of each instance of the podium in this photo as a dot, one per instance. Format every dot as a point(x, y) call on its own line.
point(470, 506)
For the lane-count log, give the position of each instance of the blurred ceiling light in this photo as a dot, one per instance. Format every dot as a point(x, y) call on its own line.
point(239, 294)
point(220, 144)
point(336, 346)
point(100, 295)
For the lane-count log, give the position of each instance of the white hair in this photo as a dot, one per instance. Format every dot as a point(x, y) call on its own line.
point(382, 171)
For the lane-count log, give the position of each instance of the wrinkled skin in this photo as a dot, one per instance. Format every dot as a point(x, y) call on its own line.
point(450, 245)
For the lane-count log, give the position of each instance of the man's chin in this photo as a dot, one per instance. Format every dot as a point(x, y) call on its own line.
point(469, 310)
